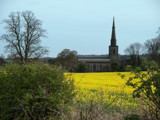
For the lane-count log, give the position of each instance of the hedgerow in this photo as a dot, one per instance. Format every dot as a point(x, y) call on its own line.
point(34, 91)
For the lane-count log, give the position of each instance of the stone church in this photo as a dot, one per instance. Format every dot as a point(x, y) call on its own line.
point(102, 63)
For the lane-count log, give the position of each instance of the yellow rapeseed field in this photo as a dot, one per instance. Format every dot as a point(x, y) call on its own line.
point(107, 87)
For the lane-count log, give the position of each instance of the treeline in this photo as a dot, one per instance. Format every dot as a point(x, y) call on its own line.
point(150, 49)
point(23, 36)
point(133, 55)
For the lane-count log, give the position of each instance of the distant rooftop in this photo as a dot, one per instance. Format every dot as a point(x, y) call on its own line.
point(93, 58)
point(106, 55)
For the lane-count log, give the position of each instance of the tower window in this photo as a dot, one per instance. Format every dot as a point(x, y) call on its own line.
point(113, 51)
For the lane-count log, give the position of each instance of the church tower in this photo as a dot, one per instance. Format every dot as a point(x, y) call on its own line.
point(113, 48)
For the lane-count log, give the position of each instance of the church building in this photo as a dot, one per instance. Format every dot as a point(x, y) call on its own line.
point(102, 63)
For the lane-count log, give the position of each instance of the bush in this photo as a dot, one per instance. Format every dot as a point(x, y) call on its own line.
point(146, 87)
point(34, 91)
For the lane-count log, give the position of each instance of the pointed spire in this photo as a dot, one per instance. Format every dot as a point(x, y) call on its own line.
point(113, 37)
point(113, 22)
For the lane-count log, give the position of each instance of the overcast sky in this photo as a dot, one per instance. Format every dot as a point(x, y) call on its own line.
point(85, 25)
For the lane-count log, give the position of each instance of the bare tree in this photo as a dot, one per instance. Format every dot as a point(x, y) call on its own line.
point(158, 32)
point(134, 51)
point(153, 48)
point(23, 36)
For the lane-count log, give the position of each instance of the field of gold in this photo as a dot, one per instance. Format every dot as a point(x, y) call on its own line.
point(107, 87)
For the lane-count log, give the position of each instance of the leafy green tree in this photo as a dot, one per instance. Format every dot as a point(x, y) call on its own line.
point(51, 61)
point(34, 92)
point(67, 59)
point(81, 67)
point(146, 86)
point(2, 61)
point(114, 67)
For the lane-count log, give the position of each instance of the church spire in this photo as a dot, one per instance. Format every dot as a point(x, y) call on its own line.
point(113, 37)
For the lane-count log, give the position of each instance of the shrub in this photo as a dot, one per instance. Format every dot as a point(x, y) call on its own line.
point(146, 87)
point(33, 91)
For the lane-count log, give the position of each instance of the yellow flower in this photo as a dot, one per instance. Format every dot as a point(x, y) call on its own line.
point(106, 87)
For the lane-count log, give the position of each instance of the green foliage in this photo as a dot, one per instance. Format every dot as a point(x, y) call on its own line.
point(114, 67)
point(144, 62)
point(67, 59)
point(128, 68)
point(81, 67)
point(33, 91)
point(51, 61)
point(147, 85)
point(2, 61)
point(132, 117)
